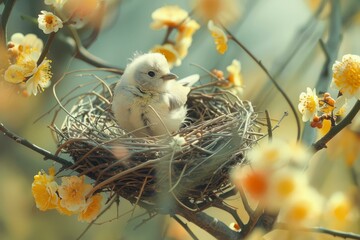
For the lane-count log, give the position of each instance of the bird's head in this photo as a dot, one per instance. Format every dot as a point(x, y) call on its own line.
point(150, 71)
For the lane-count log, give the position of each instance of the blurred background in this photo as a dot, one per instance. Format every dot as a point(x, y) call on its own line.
point(283, 34)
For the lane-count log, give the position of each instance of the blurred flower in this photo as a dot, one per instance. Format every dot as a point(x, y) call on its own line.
point(92, 209)
point(168, 16)
point(303, 209)
point(235, 78)
point(254, 182)
point(225, 11)
point(20, 44)
point(339, 210)
point(169, 52)
point(40, 78)
point(219, 36)
point(257, 234)
point(44, 190)
point(340, 106)
point(187, 29)
point(176, 232)
point(235, 227)
point(309, 104)
point(72, 192)
point(273, 155)
point(283, 185)
point(346, 76)
point(55, 3)
point(48, 22)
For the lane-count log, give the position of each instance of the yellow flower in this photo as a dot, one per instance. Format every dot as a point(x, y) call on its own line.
point(20, 44)
point(284, 184)
point(225, 11)
point(72, 192)
point(187, 29)
point(309, 104)
point(40, 78)
point(303, 209)
point(168, 16)
point(346, 76)
point(235, 78)
point(272, 155)
point(219, 36)
point(340, 210)
point(169, 52)
point(44, 190)
point(92, 209)
point(48, 22)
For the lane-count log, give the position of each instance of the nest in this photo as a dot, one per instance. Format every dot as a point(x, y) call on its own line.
point(190, 166)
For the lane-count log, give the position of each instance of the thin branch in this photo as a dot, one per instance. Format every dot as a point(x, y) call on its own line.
point(46, 48)
point(24, 142)
point(330, 49)
point(5, 16)
point(334, 233)
point(261, 65)
point(268, 123)
point(210, 224)
point(321, 143)
point(185, 226)
point(230, 210)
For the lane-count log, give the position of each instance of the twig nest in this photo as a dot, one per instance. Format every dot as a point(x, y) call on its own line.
point(190, 166)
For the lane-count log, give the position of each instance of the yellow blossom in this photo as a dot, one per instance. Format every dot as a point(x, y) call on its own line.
point(48, 22)
point(40, 79)
point(169, 52)
point(303, 209)
point(340, 210)
point(188, 28)
point(219, 36)
point(92, 209)
point(272, 155)
point(20, 44)
point(225, 11)
point(284, 184)
point(346, 76)
point(44, 190)
point(235, 78)
point(72, 192)
point(309, 104)
point(168, 16)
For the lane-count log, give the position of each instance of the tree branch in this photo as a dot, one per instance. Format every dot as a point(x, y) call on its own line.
point(331, 232)
point(321, 143)
point(210, 224)
point(24, 142)
point(278, 87)
point(185, 226)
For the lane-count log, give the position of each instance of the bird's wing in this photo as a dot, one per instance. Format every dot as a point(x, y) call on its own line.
point(189, 80)
point(177, 95)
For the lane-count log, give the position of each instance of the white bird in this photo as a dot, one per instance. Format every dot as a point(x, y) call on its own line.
point(147, 100)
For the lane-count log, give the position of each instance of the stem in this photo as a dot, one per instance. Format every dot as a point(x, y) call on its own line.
point(282, 92)
point(211, 225)
point(46, 48)
point(45, 153)
point(185, 226)
point(5, 16)
point(321, 143)
point(331, 232)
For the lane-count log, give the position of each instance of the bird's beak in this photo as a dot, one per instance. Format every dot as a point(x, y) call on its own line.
point(169, 76)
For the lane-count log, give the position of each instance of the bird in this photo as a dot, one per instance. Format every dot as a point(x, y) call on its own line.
point(147, 100)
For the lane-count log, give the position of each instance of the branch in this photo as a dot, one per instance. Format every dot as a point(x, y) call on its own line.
point(261, 65)
point(330, 49)
point(331, 232)
point(220, 204)
point(211, 225)
point(321, 143)
point(5, 15)
point(185, 226)
point(24, 142)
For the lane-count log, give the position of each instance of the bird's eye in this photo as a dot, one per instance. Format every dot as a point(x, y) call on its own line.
point(151, 73)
